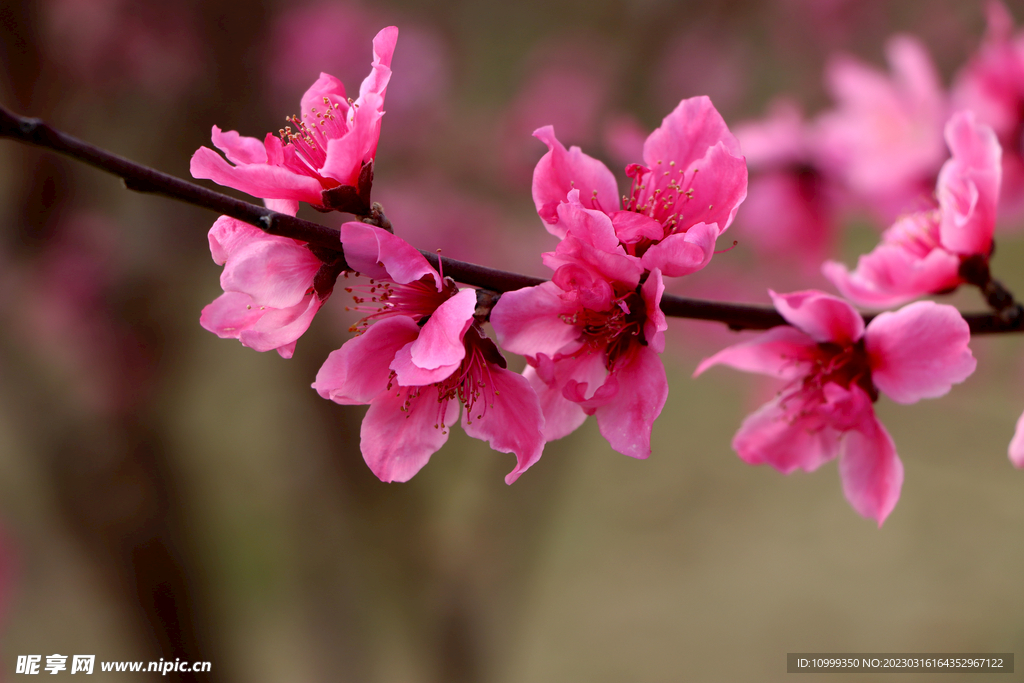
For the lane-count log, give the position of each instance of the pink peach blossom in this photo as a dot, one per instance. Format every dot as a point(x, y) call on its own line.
point(685, 196)
point(884, 139)
point(922, 252)
point(835, 368)
point(592, 334)
point(330, 148)
point(420, 354)
point(273, 287)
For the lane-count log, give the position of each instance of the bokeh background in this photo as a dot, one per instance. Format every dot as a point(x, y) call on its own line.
point(164, 493)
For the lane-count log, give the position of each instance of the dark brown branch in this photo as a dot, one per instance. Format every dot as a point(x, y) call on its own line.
point(143, 179)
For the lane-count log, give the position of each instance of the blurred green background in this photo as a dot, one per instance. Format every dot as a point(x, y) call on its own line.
point(164, 493)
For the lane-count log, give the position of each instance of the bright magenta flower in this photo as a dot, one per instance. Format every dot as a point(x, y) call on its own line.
point(922, 252)
point(884, 139)
point(273, 287)
point(685, 196)
point(835, 368)
point(591, 335)
point(326, 149)
point(421, 356)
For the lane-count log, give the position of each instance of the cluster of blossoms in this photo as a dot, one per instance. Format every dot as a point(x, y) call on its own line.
point(592, 336)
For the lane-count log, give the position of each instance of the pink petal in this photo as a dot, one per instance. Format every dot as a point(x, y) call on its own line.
point(871, 472)
point(590, 290)
point(379, 254)
point(631, 227)
point(716, 188)
point(228, 235)
point(512, 423)
point(358, 371)
point(275, 272)
point(627, 420)
point(891, 275)
point(919, 351)
point(313, 99)
point(397, 441)
point(781, 352)
point(439, 349)
point(259, 180)
point(602, 395)
point(683, 253)
point(687, 133)
point(281, 326)
point(1017, 444)
point(591, 240)
point(239, 149)
point(656, 324)
point(968, 186)
point(380, 72)
point(561, 416)
point(286, 206)
point(529, 321)
point(346, 155)
point(591, 226)
point(780, 434)
point(822, 316)
point(560, 171)
point(229, 314)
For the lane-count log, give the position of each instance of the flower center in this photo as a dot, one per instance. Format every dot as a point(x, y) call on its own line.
point(383, 299)
point(612, 331)
point(918, 233)
point(842, 365)
point(659, 194)
point(472, 383)
point(311, 132)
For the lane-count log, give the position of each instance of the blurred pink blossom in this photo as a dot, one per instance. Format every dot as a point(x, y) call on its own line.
point(884, 138)
point(567, 86)
point(67, 318)
point(791, 208)
point(701, 61)
point(835, 368)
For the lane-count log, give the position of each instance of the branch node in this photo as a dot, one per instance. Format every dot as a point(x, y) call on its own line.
point(29, 126)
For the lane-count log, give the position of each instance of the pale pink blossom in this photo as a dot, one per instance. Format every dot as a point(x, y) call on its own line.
point(884, 138)
point(592, 334)
point(992, 85)
point(835, 368)
point(323, 158)
point(420, 355)
point(273, 287)
point(680, 201)
point(791, 206)
point(922, 252)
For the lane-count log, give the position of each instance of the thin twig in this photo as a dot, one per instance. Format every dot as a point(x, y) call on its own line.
point(144, 179)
